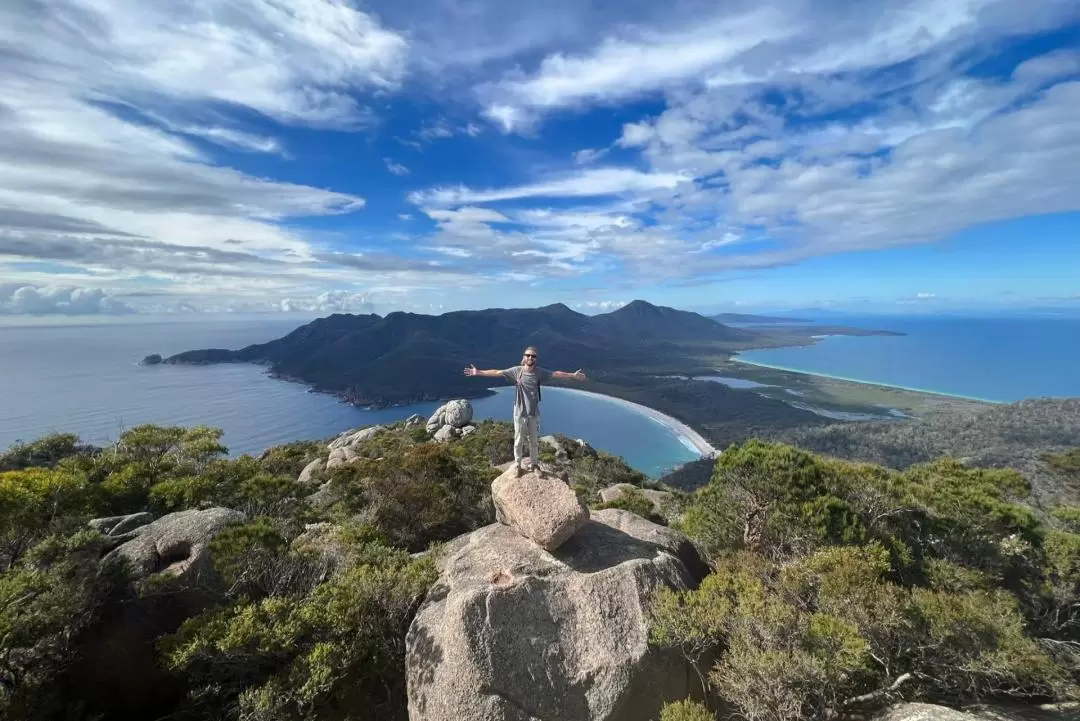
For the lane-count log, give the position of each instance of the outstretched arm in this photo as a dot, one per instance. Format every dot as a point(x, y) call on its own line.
point(578, 375)
point(471, 371)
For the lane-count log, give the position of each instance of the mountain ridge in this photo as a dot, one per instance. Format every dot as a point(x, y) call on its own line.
point(406, 357)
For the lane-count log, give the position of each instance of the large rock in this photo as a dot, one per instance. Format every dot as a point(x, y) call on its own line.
point(352, 437)
point(341, 456)
point(673, 542)
point(659, 499)
point(121, 525)
point(176, 544)
point(308, 475)
point(457, 414)
point(117, 669)
point(544, 510)
point(511, 632)
point(414, 420)
point(446, 433)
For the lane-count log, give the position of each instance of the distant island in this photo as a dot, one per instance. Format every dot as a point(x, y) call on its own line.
point(750, 318)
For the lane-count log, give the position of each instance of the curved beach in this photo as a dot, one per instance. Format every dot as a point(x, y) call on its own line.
point(689, 437)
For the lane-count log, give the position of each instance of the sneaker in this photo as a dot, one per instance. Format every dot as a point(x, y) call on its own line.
point(519, 471)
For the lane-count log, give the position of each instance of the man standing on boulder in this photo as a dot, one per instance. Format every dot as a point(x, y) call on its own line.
point(527, 377)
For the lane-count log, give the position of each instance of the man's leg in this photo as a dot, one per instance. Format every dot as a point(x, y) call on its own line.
point(534, 441)
point(520, 432)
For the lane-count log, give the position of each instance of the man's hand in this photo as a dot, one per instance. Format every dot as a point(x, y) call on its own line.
point(471, 371)
point(579, 375)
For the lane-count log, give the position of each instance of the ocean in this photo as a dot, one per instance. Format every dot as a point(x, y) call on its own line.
point(1002, 360)
point(86, 379)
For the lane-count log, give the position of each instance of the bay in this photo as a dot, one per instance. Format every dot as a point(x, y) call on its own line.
point(87, 379)
point(995, 359)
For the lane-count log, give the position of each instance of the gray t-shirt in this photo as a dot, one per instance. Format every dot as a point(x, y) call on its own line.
point(528, 388)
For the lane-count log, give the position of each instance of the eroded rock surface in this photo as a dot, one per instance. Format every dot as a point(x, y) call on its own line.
point(511, 632)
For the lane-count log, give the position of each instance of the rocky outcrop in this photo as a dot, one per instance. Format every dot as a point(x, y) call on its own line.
point(659, 499)
point(511, 632)
point(341, 456)
point(354, 436)
point(310, 473)
point(176, 544)
point(152, 360)
point(121, 525)
point(673, 542)
point(414, 420)
point(117, 669)
point(446, 433)
point(456, 414)
point(542, 509)
point(565, 453)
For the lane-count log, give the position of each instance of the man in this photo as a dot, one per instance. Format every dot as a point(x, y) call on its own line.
point(527, 377)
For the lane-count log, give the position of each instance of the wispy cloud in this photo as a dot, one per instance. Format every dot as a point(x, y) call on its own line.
point(395, 168)
point(587, 183)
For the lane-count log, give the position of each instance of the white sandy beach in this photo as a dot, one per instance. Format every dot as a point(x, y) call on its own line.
point(688, 435)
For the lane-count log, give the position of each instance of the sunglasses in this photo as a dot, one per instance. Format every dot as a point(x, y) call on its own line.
point(529, 355)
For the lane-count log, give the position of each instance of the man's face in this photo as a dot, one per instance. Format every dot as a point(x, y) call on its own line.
point(530, 358)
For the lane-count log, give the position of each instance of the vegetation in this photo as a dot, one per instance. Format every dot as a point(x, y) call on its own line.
point(1032, 437)
point(840, 585)
point(314, 591)
point(837, 585)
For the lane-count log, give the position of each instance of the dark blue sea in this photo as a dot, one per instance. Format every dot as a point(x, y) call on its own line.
point(1000, 360)
point(86, 379)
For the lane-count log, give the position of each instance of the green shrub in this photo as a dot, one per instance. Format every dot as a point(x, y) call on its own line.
point(1066, 463)
point(1067, 517)
point(776, 499)
point(421, 496)
point(337, 653)
point(54, 593)
point(289, 459)
point(635, 501)
point(34, 503)
point(686, 711)
point(45, 452)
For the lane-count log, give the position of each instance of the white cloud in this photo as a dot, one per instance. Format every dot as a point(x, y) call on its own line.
point(395, 168)
point(635, 135)
point(295, 63)
point(621, 68)
point(227, 137)
point(467, 214)
point(599, 306)
point(336, 301)
point(32, 300)
point(739, 45)
point(590, 155)
point(404, 216)
point(585, 183)
point(102, 106)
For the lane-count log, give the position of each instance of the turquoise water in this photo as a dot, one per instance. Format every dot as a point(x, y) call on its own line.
point(86, 379)
point(1002, 360)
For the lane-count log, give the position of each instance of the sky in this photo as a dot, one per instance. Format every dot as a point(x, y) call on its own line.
point(318, 156)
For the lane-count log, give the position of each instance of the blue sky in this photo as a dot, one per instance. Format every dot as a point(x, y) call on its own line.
point(317, 156)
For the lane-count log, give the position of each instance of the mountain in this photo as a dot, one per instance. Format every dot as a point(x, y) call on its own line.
point(406, 357)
